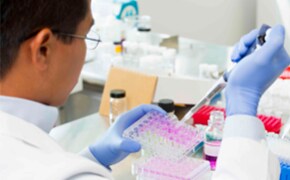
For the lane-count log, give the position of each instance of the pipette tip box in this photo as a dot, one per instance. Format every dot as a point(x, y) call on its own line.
point(271, 123)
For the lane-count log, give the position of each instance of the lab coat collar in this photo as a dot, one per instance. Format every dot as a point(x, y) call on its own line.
point(17, 128)
point(40, 115)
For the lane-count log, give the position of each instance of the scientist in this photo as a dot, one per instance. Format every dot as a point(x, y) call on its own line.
point(42, 53)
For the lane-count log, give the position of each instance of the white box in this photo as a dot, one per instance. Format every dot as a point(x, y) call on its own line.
point(182, 90)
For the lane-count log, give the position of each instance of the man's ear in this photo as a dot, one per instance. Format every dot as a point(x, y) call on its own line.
point(41, 48)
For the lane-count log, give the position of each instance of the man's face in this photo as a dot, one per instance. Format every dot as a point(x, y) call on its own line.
point(67, 64)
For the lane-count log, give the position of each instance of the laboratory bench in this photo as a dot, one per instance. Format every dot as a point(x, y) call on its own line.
point(82, 103)
point(87, 102)
point(76, 135)
point(86, 99)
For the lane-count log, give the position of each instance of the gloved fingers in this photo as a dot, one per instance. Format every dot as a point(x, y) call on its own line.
point(283, 59)
point(242, 48)
point(273, 46)
point(148, 107)
point(235, 57)
point(128, 118)
point(130, 146)
point(247, 41)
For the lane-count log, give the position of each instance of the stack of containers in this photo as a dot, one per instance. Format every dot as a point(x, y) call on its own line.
point(271, 123)
point(166, 143)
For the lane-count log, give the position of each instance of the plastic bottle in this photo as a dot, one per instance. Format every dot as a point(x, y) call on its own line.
point(169, 56)
point(213, 137)
point(144, 30)
point(118, 104)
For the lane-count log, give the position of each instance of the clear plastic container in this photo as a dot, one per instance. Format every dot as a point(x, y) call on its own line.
point(164, 136)
point(144, 34)
point(144, 24)
point(118, 103)
point(158, 168)
point(213, 137)
point(167, 143)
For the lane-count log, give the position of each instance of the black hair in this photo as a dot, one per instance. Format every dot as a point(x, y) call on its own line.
point(22, 18)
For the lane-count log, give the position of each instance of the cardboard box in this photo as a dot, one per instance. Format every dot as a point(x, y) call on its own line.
point(139, 87)
point(142, 88)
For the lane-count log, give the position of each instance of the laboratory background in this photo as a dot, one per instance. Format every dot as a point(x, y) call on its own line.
point(170, 53)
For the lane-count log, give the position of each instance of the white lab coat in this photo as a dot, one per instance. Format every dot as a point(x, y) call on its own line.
point(26, 152)
point(244, 159)
point(244, 153)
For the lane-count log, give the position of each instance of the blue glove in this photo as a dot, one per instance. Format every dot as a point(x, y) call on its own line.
point(112, 147)
point(255, 72)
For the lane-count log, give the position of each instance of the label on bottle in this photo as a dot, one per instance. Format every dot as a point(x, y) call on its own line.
point(212, 148)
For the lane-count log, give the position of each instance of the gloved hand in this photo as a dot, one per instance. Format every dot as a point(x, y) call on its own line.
point(255, 72)
point(112, 147)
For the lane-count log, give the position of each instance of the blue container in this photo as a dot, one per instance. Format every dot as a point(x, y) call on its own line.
point(127, 9)
point(285, 170)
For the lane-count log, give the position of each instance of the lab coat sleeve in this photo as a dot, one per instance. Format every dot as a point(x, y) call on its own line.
point(87, 154)
point(244, 153)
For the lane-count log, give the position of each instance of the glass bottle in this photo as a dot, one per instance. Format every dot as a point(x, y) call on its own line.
point(213, 137)
point(118, 104)
point(168, 106)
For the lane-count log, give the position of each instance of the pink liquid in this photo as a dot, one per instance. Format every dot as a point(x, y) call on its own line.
point(212, 161)
point(211, 150)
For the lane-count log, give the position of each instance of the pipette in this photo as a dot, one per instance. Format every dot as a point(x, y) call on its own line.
point(222, 81)
point(215, 89)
